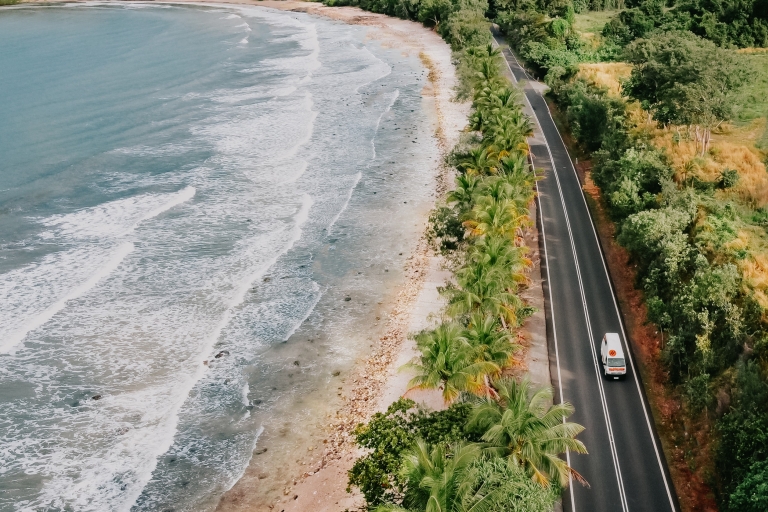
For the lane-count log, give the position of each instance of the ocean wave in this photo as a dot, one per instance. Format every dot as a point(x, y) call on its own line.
point(36, 292)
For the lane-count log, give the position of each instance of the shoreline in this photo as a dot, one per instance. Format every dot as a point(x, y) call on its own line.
point(375, 381)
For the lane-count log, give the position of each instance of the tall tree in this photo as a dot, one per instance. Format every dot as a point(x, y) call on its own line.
point(524, 427)
point(447, 362)
point(686, 80)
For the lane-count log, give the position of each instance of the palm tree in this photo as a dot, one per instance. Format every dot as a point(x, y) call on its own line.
point(516, 164)
point(507, 134)
point(479, 161)
point(482, 288)
point(489, 341)
point(499, 252)
point(466, 185)
point(492, 217)
point(437, 483)
point(529, 431)
point(446, 362)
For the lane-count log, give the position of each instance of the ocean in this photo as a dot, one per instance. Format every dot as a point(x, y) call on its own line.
point(203, 211)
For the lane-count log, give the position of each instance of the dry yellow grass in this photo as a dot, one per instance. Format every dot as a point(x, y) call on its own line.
point(723, 154)
point(754, 269)
point(605, 74)
point(752, 50)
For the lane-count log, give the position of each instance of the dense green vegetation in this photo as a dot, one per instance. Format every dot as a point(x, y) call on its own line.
point(498, 445)
point(677, 214)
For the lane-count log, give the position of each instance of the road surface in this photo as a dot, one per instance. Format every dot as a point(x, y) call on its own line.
point(625, 467)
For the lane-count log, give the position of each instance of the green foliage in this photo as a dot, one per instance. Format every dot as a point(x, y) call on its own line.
point(437, 482)
point(591, 113)
point(632, 182)
point(446, 231)
point(462, 480)
point(697, 391)
point(752, 99)
point(550, 46)
point(461, 23)
point(727, 22)
point(683, 79)
point(526, 429)
point(449, 362)
point(429, 461)
point(752, 493)
point(678, 234)
point(743, 433)
point(387, 435)
point(508, 488)
point(729, 178)
point(493, 191)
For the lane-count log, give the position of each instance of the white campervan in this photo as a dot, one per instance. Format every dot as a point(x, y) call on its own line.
point(612, 356)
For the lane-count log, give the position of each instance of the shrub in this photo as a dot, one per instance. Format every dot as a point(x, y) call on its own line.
point(387, 435)
point(751, 495)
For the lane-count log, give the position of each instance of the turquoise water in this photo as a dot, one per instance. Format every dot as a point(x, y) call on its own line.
point(187, 196)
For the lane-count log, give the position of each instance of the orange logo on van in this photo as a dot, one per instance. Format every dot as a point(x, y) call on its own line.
point(611, 353)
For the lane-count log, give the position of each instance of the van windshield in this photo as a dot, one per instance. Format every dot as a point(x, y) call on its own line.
point(615, 361)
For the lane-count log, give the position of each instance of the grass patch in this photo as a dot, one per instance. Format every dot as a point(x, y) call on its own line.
point(593, 22)
point(752, 101)
point(605, 74)
point(9, 2)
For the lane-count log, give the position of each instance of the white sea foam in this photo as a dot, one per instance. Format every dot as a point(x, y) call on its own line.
point(35, 293)
point(11, 340)
point(359, 175)
point(384, 70)
point(395, 95)
point(116, 218)
point(351, 190)
point(244, 40)
point(139, 335)
point(318, 295)
point(163, 437)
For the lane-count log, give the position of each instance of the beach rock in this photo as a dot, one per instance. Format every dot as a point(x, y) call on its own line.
point(336, 373)
point(347, 299)
point(222, 354)
point(96, 397)
point(296, 363)
point(259, 452)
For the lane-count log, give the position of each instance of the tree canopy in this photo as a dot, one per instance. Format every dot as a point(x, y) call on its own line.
point(684, 79)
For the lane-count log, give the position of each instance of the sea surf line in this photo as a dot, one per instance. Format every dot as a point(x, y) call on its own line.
point(219, 163)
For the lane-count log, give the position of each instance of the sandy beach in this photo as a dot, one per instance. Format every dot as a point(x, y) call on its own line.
point(375, 381)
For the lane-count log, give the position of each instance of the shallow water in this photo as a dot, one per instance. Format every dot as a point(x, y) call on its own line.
point(187, 197)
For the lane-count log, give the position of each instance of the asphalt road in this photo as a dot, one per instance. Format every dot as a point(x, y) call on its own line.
point(625, 466)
